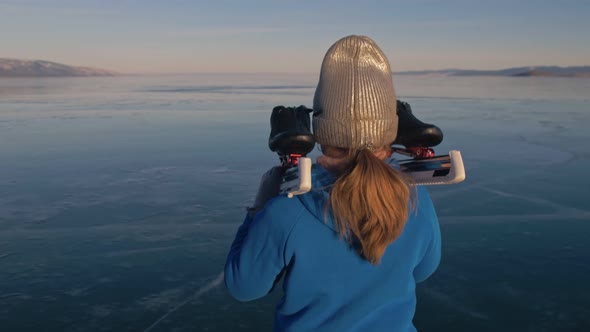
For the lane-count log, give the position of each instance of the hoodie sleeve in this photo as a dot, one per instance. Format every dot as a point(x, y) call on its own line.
point(432, 255)
point(256, 258)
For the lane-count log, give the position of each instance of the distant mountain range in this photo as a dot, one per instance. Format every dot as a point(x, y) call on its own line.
point(40, 68)
point(580, 71)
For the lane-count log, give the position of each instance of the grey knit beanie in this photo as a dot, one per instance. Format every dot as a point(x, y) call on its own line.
point(355, 104)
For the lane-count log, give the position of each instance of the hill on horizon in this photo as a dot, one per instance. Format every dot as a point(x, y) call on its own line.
point(40, 68)
point(555, 71)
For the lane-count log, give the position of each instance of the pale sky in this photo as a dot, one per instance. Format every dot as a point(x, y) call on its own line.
point(182, 36)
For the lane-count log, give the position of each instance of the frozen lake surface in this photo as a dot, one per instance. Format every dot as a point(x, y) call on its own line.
point(120, 197)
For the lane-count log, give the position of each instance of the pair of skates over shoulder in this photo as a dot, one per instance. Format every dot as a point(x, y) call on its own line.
point(292, 140)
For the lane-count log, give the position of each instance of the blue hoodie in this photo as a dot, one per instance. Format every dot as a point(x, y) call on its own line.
point(327, 285)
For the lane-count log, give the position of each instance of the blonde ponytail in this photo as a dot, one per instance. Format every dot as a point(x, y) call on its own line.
point(370, 203)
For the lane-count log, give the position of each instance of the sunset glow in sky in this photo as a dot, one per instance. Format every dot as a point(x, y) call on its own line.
point(179, 36)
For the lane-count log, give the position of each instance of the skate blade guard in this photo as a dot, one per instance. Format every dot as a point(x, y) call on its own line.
point(297, 180)
point(444, 169)
point(437, 170)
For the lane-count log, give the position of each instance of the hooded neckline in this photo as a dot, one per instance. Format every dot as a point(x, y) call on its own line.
point(316, 200)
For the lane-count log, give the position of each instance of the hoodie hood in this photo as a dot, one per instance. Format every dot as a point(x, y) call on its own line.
point(316, 200)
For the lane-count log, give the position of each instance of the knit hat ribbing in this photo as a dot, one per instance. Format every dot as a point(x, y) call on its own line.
point(355, 103)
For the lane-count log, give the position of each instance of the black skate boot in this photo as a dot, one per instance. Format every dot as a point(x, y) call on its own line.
point(416, 136)
point(290, 134)
point(413, 133)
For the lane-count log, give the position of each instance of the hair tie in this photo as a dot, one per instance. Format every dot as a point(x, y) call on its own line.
point(370, 147)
